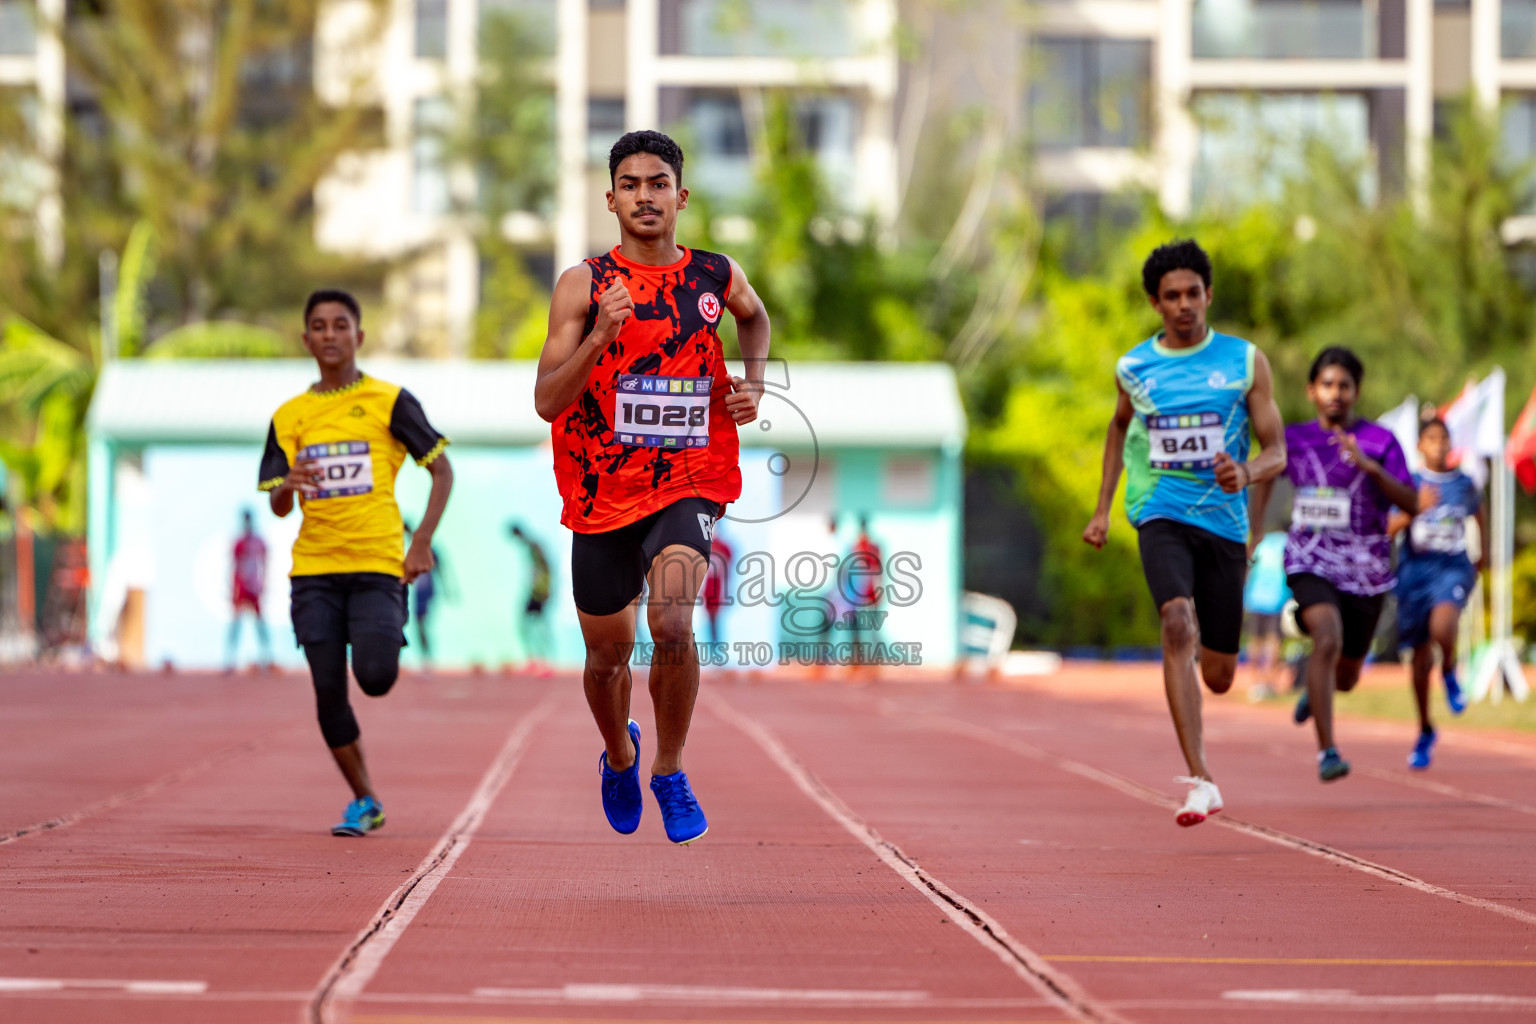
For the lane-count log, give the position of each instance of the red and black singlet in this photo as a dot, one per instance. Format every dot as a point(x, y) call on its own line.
point(640, 436)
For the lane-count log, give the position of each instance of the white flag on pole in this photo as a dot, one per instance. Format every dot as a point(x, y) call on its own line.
point(1476, 423)
point(1404, 424)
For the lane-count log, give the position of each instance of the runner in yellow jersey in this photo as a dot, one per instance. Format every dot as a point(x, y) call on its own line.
point(338, 446)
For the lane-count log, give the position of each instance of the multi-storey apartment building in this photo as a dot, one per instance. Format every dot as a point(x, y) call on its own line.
point(698, 68)
point(32, 68)
point(1210, 101)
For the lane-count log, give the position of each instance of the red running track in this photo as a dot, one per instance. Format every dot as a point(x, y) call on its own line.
point(894, 852)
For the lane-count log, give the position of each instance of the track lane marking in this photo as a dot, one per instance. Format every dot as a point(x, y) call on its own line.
point(137, 793)
point(1270, 835)
point(1054, 986)
point(361, 960)
point(1348, 997)
point(178, 988)
point(1414, 782)
point(1281, 961)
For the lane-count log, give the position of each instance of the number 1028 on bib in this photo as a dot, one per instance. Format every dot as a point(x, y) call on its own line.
point(662, 412)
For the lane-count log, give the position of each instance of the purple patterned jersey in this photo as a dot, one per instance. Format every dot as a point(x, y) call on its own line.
point(1339, 519)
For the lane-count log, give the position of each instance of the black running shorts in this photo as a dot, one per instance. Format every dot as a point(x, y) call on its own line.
point(608, 569)
point(1359, 614)
point(344, 607)
point(1181, 560)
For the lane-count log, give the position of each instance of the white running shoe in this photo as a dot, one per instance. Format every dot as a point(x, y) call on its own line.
point(1203, 801)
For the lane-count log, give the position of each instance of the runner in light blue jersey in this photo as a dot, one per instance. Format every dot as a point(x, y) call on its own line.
point(1188, 399)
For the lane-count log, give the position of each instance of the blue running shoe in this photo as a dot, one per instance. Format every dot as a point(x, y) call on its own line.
point(1453, 695)
point(1331, 766)
point(621, 790)
point(1422, 751)
point(680, 812)
point(362, 816)
point(1303, 709)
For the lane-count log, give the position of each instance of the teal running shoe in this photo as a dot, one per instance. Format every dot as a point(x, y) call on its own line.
point(621, 790)
point(680, 812)
point(362, 816)
point(1422, 751)
point(1331, 766)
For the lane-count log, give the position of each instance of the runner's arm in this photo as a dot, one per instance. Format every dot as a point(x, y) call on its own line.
point(1397, 522)
point(752, 337)
point(1483, 540)
point(565, 364)
point(418, 558)
point(1267, 425)
point(1258, 503)
point(1114, 462)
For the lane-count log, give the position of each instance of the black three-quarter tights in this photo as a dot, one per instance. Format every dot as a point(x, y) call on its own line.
point(375, 662)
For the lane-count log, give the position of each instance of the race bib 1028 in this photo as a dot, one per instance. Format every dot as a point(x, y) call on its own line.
point(346, 468)
point(1321, 508)
point(1186, 442)
point(661, 412)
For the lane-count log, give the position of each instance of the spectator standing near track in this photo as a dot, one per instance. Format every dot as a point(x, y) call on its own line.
point(249, 580)
point(1264, 597)
point(1348, 473)
point(338, 447)
point(859, 580)
point(424, 591)
point(717, 583)
point(633, 379)
point(1435, 575)
point(535, 630)
point(1186, 400)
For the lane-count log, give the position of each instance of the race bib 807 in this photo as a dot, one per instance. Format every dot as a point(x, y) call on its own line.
point(661, 412)
point(346, 468)
point(1186, 442)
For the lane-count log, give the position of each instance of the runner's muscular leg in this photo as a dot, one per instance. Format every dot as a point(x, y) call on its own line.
point(606, 679)
point(1218, 670)
point(1181, 638)
point(675, 578)
point(1326, 628)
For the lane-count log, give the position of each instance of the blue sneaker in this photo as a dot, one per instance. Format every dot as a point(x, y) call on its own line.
point(1303, 709)
point(362, 816)
point(621, 790)
point(1422, 750)
point(1453, 695)
point(1331, 766)
point(680, 812)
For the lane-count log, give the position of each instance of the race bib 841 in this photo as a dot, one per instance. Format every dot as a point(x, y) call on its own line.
point(1186, 442)
point(346, 468)
point(661, 412)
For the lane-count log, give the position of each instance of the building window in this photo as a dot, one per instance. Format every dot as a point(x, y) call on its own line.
point(1517, 29)
point(432, 28)
point(532, 20)
point(1090, 92)
point(1252, 146)
point(757, 28)
point(18, 27)
point(23, 173)
point(432, 119)
point(605, 123)
point(1519, 124)
point(1317, 29)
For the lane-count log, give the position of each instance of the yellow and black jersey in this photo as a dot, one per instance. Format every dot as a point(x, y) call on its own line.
point(358, 436)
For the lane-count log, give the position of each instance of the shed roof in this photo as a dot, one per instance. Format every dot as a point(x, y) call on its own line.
point(902, 405)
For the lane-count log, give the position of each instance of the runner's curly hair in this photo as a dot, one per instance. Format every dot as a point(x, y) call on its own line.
point(332, 295)
point(1338, 355)
point(1180, 254)
point(647, 141)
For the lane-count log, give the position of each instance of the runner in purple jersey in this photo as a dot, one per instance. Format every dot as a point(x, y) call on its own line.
point(1348, 473)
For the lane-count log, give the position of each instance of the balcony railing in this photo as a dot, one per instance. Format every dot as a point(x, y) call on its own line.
point(1285, 29)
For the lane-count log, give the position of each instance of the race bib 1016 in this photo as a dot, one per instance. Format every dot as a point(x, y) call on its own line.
point(1441, 534)
point(346, 468)
point(661, 412)
point(1186, 442)
point(1321, 508)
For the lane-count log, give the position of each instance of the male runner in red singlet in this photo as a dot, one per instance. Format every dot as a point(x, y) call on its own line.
point(646, 458)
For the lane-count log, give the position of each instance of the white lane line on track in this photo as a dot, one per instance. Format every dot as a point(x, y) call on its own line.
point(599, 993)
point(1057, 988)
point(158, 988)
point(1348, 997)
point(360, 961)
point(1456, 792)
point(1224, 820)
point(137, 793)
